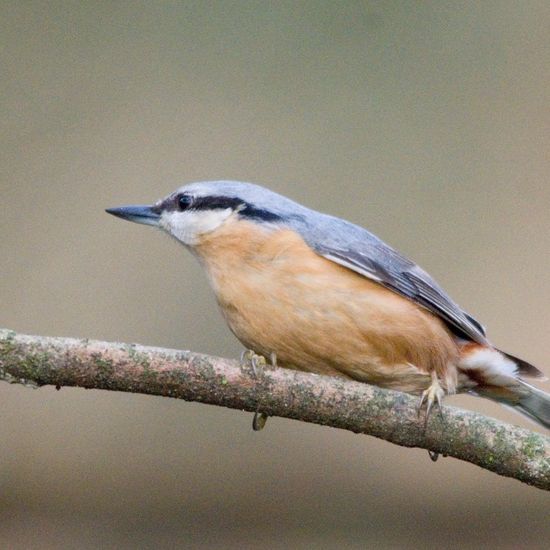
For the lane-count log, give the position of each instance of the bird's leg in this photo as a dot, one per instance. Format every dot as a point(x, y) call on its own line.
point(257, 363)
point(432, 395)
point(258, 422)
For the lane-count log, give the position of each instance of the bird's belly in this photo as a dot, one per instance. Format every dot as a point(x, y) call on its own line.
point(318, 316)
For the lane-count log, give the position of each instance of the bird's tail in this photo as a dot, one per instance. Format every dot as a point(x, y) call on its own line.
point(536, 404)
point(524, 399)
point(497, 374)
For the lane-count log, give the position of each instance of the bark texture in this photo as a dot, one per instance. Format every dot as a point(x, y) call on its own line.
point(501, 448)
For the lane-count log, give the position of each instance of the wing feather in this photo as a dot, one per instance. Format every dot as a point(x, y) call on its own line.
point(359, 250)
point(415, 285)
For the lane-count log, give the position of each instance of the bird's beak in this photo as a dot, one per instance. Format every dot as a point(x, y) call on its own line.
point(147, 215)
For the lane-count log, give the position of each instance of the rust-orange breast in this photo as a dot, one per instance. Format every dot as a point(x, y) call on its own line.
point(278, 295)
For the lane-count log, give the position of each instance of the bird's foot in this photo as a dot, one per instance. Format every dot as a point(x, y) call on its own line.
point(253, 361)
point(433, 395)
point(257, 363)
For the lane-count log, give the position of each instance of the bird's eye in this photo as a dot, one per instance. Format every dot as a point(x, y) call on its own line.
point(183, 202)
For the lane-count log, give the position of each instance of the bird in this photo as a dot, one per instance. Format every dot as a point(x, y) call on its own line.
point(323, 295)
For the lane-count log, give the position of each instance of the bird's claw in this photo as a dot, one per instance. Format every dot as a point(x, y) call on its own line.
point(259, 420)
point(257, 363)
point(433, 395)
point(433, 455)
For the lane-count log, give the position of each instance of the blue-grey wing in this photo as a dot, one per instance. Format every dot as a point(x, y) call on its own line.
point(359, 250)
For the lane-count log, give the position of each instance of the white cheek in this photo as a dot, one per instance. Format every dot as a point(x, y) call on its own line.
point(188, 226)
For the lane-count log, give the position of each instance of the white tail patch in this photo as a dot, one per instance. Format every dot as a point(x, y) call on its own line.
point(489, 365)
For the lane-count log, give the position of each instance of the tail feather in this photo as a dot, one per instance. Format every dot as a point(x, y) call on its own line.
point(536, 404)
point(498, 376)
point(522, 398)
point(525, 368)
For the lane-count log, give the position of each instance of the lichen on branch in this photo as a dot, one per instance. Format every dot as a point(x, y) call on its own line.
point(501, 448)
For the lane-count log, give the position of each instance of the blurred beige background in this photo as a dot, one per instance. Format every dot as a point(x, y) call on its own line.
point(428, 122)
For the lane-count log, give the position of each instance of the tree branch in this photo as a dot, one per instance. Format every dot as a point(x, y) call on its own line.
point(501, 448)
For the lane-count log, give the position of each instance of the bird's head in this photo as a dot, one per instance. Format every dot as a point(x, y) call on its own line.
point(197, 209)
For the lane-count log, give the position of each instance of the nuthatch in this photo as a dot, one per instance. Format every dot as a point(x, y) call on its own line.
point(327, 296)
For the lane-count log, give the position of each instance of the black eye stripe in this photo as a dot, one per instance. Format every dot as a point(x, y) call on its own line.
point(213, 202)
point(250, 211)
point(245, 209)
point(182, 202)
